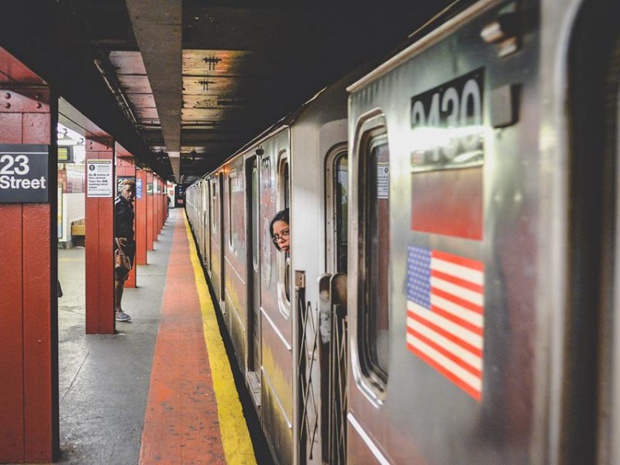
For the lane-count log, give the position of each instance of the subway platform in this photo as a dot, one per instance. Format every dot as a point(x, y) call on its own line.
point(161, 390)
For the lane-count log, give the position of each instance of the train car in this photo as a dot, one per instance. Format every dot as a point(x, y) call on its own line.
point(450, 293)
point(481, 290)
point(269, 300)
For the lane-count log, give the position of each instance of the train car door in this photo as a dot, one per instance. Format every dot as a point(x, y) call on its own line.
point(253, 265)
point(333, 315)
point(220, 206)
point(217, 237)
point(212, 223)
point(371, 325)
point(609, 443)
point(591, 401)
point(206, 235)
point(208, 226)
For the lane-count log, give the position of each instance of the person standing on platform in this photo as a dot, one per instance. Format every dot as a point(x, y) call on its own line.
point(124, 236)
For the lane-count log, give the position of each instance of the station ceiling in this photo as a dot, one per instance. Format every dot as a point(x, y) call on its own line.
point(182, 84)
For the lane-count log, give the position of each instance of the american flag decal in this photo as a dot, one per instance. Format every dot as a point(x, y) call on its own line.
point(445, 315)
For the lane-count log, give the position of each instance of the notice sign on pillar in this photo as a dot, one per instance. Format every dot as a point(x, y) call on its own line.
point(99, 179)
point(24, 173)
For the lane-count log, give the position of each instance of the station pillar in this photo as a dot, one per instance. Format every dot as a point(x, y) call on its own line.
point(126, 169)
point(141, 212)
point(149, 211)
point(157, 207)
point(100, 190)
point(29, 422)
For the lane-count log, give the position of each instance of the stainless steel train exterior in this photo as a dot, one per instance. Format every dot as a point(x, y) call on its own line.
point(451, 292)
point(270, 300)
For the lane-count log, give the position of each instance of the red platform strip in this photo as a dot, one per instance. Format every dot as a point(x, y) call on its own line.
point(181, 420)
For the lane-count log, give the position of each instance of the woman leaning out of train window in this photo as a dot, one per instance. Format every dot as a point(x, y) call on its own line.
point(279, 229)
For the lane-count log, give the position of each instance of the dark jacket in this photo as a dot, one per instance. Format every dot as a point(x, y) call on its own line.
point(124, 218)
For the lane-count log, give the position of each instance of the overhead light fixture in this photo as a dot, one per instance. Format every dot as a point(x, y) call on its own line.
point(211, 62)
point(205, 84)
point(111, 81)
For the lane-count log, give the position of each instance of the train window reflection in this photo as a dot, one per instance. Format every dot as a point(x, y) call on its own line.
point(254, 211)
point(232, 228)
point(341, 201)
point(215, 206)
point(236, 213)
point(284, 261)
point(375, 321)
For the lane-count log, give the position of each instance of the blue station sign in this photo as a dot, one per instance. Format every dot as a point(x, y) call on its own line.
point(24, 173)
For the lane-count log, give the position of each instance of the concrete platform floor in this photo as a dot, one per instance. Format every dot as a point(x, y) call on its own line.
point(104, 379)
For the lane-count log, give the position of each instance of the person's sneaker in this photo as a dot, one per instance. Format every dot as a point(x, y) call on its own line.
point(122, 316)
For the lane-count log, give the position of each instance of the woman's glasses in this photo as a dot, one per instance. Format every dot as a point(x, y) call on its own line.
point(280, 237)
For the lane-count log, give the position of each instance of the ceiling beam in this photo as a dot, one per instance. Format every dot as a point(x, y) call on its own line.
point(157, 26)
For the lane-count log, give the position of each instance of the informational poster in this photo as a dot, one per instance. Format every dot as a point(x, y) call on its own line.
point(60, 211)
point(383, 180)
point(75, 179)
point(138, 188)
point(99, 179)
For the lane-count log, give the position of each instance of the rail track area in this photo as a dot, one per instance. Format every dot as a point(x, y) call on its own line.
point(160, 390)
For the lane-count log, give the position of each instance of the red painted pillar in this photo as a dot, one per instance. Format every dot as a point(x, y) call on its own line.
point(162, 199)
point(29, 306)
point(160, 190)
point(155, 208)
point(149, 211)
point(100, 191)
point(166, 198)
point(141, 214)
point(164, 203)
point(126, 169)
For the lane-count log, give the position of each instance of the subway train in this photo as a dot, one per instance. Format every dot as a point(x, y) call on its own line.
point(449, 296)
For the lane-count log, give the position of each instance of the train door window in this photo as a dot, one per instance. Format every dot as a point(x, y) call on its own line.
point(215, 206)
point(209, 222)
point(253, 276)
point(284, 183)
point(235, 212)
point(284, 260)
point(255, 221)
point(204, 196)
point(337, 208)
point(375, 228)
point(231, 220)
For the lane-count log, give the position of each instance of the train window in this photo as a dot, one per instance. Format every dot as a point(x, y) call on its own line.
point(231, 222)
point(236, 231)
point(285, 182)
point(215, 204)
point(341, 201)
point(255, 214)
point(337, 208)
point(374, 317)
point(284, 261)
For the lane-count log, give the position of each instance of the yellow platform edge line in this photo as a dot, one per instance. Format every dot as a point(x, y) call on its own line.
point(236, 440)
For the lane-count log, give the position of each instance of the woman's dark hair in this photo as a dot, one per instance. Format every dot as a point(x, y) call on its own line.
point(282, 215)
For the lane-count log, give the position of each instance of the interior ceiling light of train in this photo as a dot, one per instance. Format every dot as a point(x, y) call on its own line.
point(182, 85)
